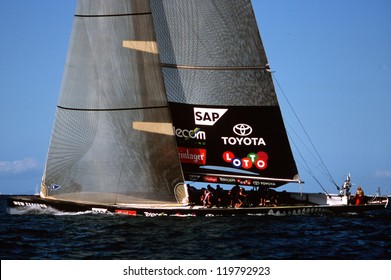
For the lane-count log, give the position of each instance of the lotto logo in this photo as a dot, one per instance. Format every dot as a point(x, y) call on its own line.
point(259, 160)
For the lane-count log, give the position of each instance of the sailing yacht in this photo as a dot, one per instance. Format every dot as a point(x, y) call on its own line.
point(160, 95)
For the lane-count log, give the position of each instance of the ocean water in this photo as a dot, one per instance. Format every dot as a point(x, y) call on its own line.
point(55, 235)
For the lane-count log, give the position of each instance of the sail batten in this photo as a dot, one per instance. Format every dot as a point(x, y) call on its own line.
point(198, 67)
point(110, 109)
point(154, 127)
point(145, 46)
point(113, 15)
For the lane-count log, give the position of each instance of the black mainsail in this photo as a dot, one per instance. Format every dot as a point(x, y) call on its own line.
point(112, 139)
point(225, 111)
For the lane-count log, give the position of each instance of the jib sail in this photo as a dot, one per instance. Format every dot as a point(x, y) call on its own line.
point(112, 139)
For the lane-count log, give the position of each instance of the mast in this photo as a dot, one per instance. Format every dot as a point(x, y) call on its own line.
point(112, 139)
point(228, 124)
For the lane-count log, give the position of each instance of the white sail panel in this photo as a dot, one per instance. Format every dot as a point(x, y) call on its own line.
point(111, 7)
point(109, 75)
point(96, 154)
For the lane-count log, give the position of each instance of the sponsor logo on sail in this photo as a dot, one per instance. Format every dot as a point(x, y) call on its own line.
point(210, 179)
point(192, 155)
point(207, 116)
point(193, 177)
point(190, 133)
point(54, 187)
point(244, 182)
point(264, 183)
point(227, 180)
point(259, 160)
point(243, 131)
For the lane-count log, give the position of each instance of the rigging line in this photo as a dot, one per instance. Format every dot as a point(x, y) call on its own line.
point(318, 166)
point(189, 67)
point(308, 137)
point(308, 168)
point(301, 141)
point(319, 183)
point(113, 109)
point(308, 162)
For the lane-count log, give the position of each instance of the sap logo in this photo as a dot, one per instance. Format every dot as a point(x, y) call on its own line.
point(208, 116)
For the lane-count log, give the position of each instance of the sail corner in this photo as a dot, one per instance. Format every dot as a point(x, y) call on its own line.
point(43, 190)
point(297, 179)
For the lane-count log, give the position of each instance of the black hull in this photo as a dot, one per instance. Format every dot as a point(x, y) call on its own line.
point(30, 201)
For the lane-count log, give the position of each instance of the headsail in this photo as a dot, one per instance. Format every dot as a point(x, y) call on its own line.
point(227, 120)
point(103, 149)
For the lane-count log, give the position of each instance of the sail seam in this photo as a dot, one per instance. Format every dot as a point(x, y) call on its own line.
point(114, 15)
point(188, 67)
point(108, 110)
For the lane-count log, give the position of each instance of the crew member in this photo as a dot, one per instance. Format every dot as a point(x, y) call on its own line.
point(359, 197)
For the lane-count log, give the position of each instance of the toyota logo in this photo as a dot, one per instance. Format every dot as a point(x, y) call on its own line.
point(242, 129)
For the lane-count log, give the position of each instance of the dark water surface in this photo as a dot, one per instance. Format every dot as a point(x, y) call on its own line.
point(55, 235)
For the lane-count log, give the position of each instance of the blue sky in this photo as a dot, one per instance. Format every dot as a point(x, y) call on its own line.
point(331, 58)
